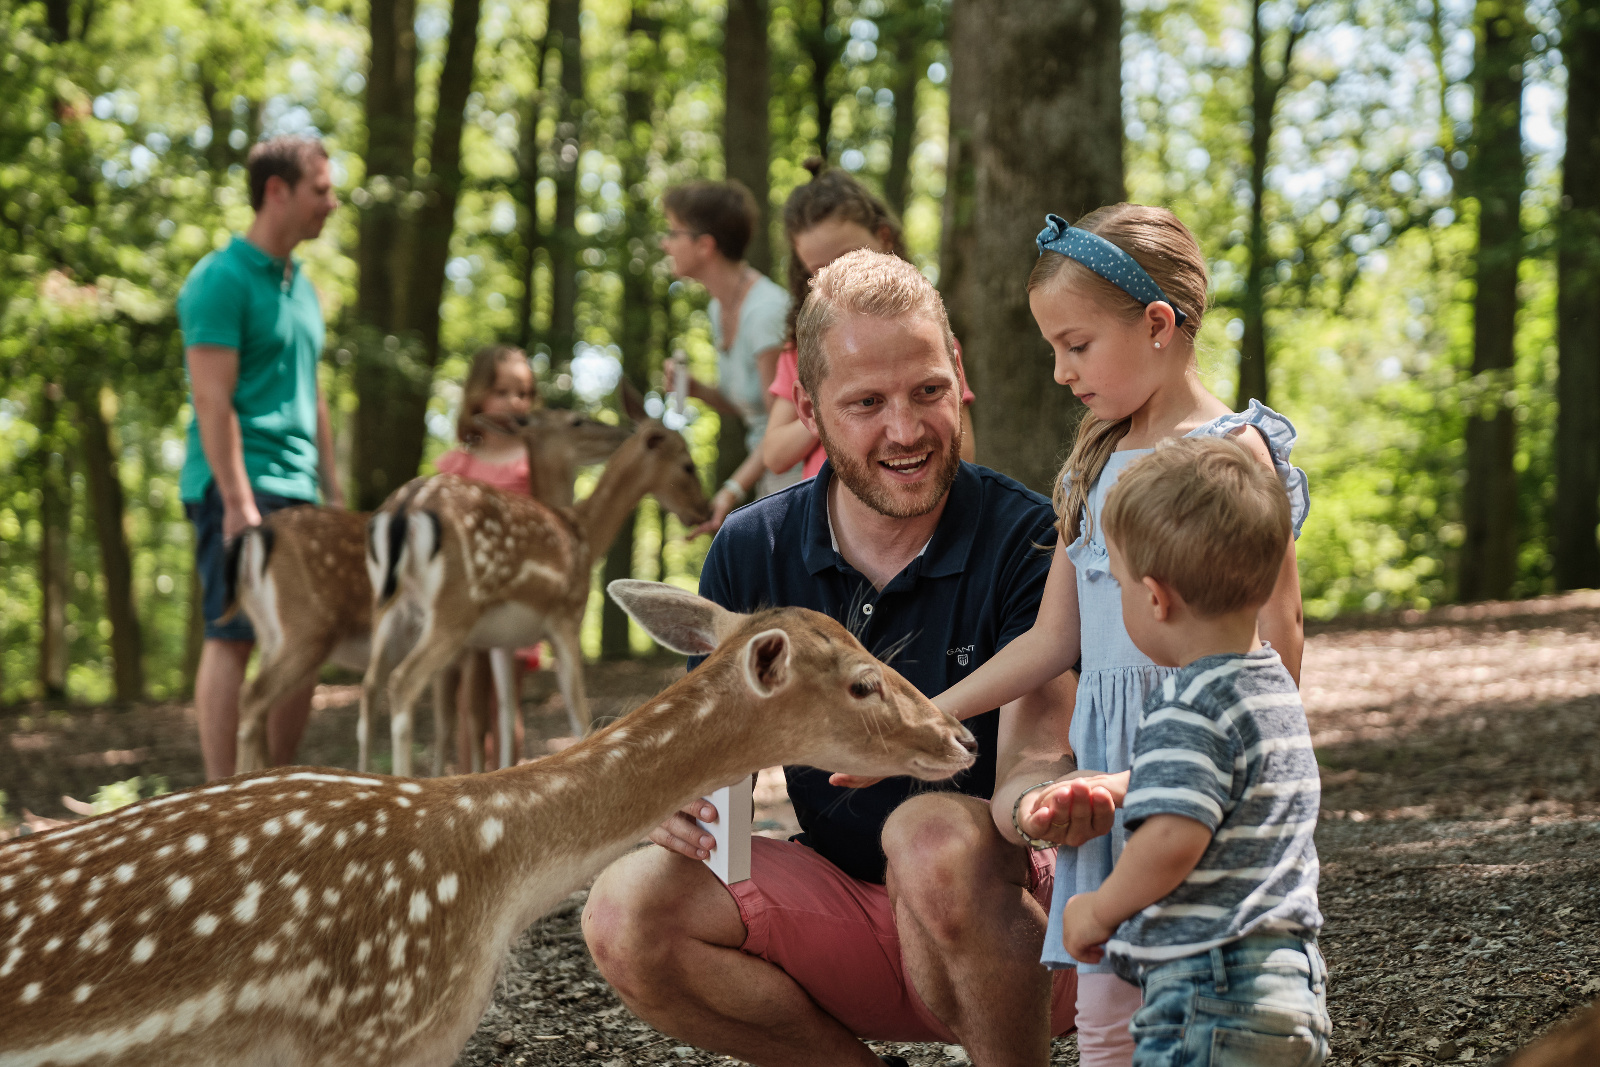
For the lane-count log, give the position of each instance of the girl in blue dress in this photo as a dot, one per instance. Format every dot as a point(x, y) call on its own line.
point(1119, 296)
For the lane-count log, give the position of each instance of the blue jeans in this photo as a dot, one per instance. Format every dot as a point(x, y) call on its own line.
point(1258, 1002)
point(211, 559)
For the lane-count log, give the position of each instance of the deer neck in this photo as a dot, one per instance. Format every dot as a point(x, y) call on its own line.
point(622, 485)
point(697, 736)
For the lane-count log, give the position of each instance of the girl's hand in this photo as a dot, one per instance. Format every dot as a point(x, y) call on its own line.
point(722, 503)
point(1070, 811)
point(1083, 935)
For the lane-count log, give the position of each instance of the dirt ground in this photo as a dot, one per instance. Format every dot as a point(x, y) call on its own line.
point(1460, 836)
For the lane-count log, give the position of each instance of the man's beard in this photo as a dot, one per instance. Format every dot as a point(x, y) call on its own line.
point(859, 477)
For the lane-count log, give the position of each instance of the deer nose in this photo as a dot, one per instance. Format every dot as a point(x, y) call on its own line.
point(967, 741)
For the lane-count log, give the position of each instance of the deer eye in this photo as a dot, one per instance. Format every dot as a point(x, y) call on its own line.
point(862, 688)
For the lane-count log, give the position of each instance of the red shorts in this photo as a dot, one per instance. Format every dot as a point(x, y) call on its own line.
point(836, 937)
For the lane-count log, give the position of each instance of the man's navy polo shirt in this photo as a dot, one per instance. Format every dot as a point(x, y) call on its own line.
point(975, 587)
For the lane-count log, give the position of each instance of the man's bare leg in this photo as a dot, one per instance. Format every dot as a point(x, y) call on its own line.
point(666, 934)
point(217, 682)
point(970, 933)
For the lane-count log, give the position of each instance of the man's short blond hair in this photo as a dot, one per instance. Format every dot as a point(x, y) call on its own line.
point(863, 282)
point(1207, 518)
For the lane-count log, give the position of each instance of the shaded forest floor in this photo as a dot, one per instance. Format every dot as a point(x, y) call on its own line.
point(1460, 838)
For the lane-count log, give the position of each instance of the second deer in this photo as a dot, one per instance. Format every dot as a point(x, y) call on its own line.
point(460, 565)
point(301, 577)
point(305, 916)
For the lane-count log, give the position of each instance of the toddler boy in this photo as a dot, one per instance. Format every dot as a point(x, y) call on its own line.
point(1212, 906)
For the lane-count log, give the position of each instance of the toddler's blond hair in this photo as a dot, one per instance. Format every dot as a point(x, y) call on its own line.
point(1204, 516)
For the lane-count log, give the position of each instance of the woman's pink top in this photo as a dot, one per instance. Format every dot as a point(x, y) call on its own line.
point(789, 372)
point(510, 476)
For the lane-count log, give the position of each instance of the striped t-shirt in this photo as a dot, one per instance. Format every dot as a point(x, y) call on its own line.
point(1224, 742)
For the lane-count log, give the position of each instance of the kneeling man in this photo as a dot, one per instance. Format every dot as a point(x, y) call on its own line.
point(901, 912)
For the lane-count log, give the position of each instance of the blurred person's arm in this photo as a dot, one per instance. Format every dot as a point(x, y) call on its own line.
point(213, 376)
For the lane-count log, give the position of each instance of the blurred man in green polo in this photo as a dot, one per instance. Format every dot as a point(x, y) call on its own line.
point(259, 439)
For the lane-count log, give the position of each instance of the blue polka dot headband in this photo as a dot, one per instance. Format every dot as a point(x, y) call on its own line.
point(1105, 259)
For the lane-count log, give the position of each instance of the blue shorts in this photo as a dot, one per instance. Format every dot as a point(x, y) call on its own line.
point(210, 559)
point(1261, 1000)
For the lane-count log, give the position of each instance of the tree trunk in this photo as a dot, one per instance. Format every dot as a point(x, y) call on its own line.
point(746, 140)
point(55, 570)
point(638, 296)
point(908, 53)
point(391, 398)
point(565, 36)
point(101, 471)
point(528, 195)
point(1038, 84)
point(1499, 176)
point(824, 54)
point(1577, 504)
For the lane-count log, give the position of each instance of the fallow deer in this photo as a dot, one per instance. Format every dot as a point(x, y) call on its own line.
point(303, 916)
point(463, 566)
point(301, 577)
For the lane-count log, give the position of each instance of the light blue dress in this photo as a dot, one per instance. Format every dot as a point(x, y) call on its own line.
point(1117, 677)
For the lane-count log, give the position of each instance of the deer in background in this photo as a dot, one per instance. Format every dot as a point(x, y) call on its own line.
point(460, 565)
point(325, 917)
point(301, 576)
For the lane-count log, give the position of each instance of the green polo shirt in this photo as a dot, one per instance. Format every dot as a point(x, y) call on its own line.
point(238, 298)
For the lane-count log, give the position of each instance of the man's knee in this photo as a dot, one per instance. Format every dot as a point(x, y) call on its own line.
point(947, 863)
point(641, 907)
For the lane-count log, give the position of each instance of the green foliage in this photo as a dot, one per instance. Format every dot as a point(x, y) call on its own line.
point(128, 791)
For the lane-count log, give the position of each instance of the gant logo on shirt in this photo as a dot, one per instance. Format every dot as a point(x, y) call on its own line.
point(963, 654)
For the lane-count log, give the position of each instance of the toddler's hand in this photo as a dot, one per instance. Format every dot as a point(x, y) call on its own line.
point(1069, 812)
point(1082, 935)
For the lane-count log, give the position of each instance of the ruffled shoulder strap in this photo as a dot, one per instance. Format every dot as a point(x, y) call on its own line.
point(1280, 436)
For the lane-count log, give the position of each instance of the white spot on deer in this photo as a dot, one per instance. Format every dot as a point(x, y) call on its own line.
point(179, 888)
point(94, 939)
point(81, 994)
point(390, 884)
point(206, 925)
point(310, 832)
point(448, 886)
point(363, 951)
point(89, 905)
point(195, 843)
point(71, 877)
point(11, 962)
point(410, 787)
point(302, 900)
point(10, 910)
point(124, 873)
point(47, 903)
point(397, 952)
point(403, 802)
point(163, 852)
point(272, 827)
point(490, 831)
point(53, 944)
point(145, 916)
point(330, 897)
point(265, 952)
point(340, 838)
point(415, 859)
point(290, 879)
point(143, 950)
point(419, 906)
point(241, 845)
point(7, 881)
point(245, 908)
point(295, 818)
point(30, 993)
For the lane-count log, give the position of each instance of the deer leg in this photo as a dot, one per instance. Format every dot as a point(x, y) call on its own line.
point(506, 697)
point(375, 681)
point(445, 684)
point(433, 653)
point(569, 675)
point(474, 699)
point(293, 666)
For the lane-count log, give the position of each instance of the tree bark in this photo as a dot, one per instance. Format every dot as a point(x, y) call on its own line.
point(1577, 503)
point(908, 52)
point(1037, 85)
point(106, 501)
point(746, 140)
point(824, 54)
point(55, 570)
point(1264, 92)
point(565, 36)
point(386, 382)
point(1499, 176)
point(638, 296)
point(528, 195)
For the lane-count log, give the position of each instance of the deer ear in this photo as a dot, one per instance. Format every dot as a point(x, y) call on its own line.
point(677, 619)
point(766, 662)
